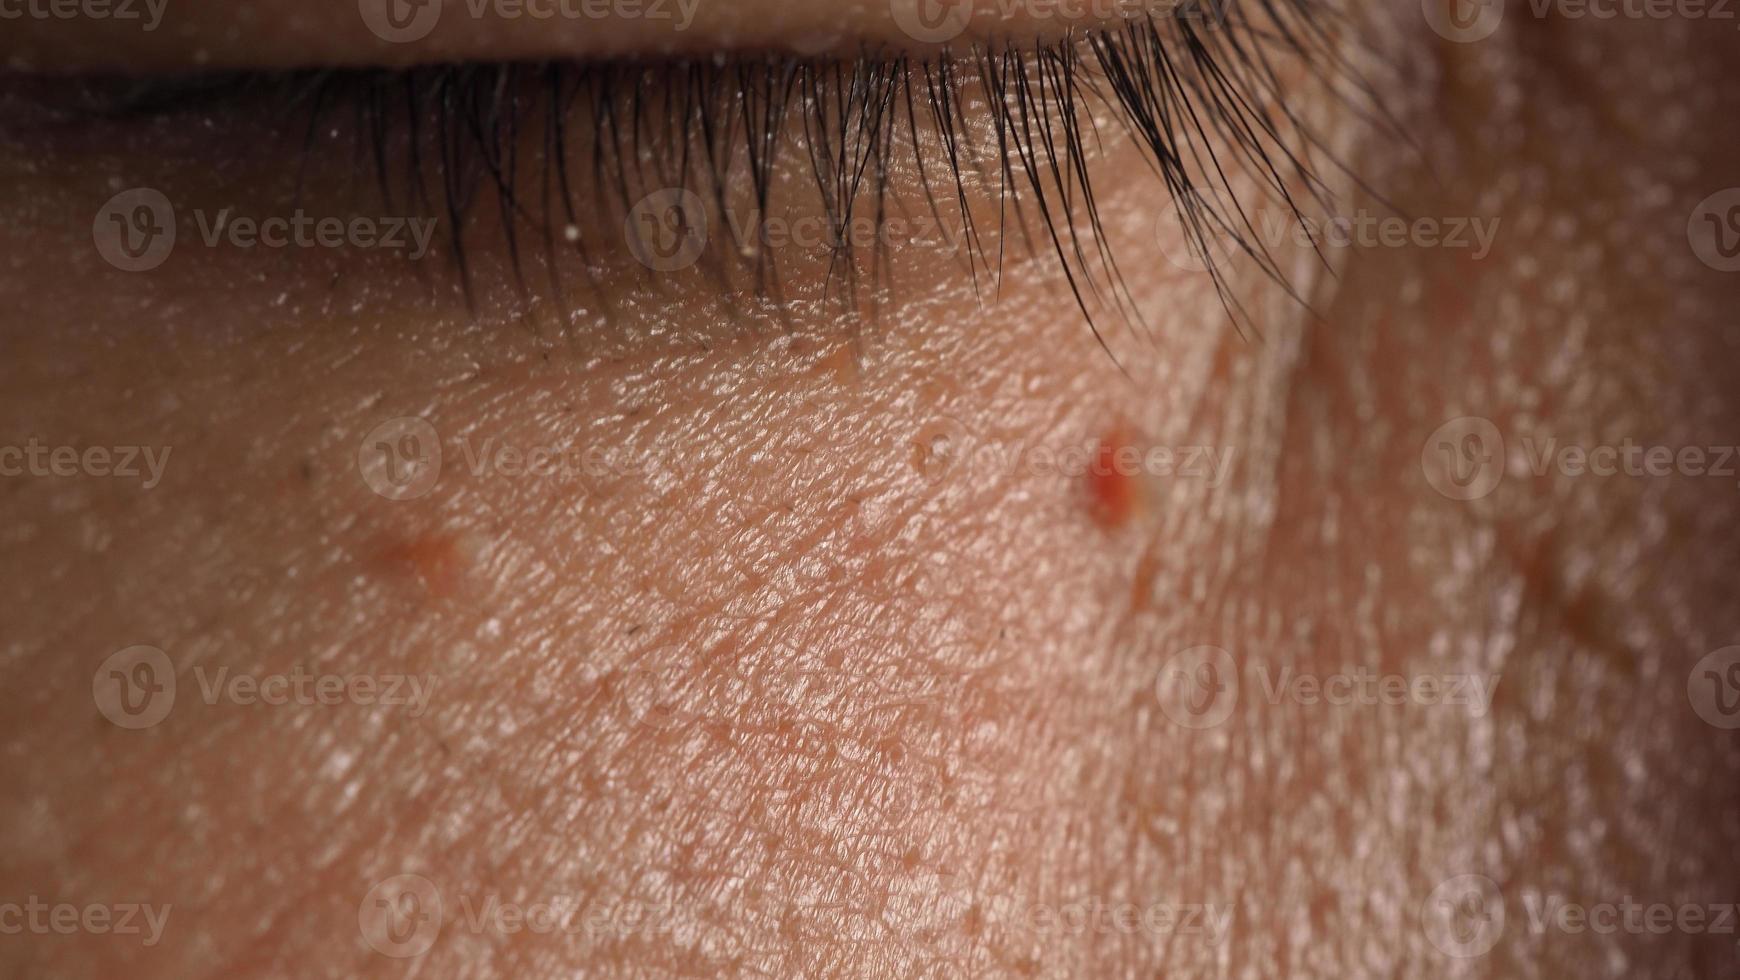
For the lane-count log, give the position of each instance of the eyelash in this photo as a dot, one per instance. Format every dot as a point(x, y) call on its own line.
point(1203, 100)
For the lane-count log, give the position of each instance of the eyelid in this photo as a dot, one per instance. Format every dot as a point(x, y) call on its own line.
point(167, 36)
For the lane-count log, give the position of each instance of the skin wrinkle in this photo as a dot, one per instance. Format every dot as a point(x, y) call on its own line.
point(971, 721)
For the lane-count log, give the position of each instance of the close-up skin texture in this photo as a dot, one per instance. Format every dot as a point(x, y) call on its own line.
point(1039, 536)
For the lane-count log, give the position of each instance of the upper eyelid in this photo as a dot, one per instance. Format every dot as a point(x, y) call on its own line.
point(1158, 75)
point(1180, 90)
point(172, 36)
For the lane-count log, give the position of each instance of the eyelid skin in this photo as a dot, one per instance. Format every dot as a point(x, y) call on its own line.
point(89, 36)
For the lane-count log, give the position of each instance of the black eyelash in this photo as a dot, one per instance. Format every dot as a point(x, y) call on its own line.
point(1202, 96)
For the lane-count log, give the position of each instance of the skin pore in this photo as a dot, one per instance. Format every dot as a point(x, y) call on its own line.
point(808, 650)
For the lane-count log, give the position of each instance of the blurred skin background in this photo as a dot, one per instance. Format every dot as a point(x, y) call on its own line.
point(611, 609)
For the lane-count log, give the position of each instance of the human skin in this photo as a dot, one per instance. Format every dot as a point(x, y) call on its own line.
point(796, 675)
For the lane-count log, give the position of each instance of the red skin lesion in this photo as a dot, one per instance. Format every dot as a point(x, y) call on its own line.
point(1113, 491)
point(435, 560)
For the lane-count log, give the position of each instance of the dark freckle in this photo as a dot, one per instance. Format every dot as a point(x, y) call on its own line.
point(632, 629)
point(305, 469)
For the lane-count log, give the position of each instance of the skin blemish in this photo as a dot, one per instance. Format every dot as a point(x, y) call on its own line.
point(437, 561)
point(1113, 493)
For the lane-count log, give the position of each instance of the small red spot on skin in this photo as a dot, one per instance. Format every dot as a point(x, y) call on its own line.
point(1112, 489)
point(433, 559)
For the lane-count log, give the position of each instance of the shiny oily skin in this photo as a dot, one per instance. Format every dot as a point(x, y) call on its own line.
point(834, 703)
